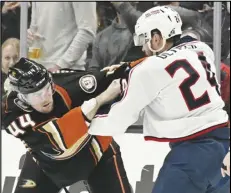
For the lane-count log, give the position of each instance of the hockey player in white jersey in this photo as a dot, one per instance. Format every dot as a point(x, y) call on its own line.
point(177, 94)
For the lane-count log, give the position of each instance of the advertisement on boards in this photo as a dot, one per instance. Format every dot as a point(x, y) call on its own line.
point(142, 161)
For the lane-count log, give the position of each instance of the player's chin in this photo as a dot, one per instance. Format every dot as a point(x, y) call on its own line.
point(48, 108)
point(149, 53)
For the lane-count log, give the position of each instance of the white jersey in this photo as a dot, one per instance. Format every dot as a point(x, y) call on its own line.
point(176, 93)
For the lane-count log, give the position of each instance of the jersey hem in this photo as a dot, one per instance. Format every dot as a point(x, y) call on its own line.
point(198, 134)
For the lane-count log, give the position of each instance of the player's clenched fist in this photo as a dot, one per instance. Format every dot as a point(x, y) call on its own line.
point(90, 107)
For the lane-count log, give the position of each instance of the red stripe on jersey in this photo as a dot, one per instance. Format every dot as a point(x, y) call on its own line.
point(198, 134)
point(64, 94)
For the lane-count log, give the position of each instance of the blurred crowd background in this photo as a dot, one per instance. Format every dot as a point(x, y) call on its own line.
point(92, 35)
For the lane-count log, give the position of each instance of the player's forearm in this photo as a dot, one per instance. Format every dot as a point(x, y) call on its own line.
point(90, 108)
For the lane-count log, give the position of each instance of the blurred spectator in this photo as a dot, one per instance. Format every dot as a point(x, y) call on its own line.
point(130, 14)
point(9, 6)
point(200, 23)
point(173, 3)
point(63, 31)
point(114, 45)
point(204, 28)
point(207, 25)
point(144, 6)
point(193, 5)
point(10, 55)
point(10, 25)
point(106, 14)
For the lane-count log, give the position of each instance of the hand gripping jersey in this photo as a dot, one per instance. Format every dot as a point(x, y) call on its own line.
point(55, 138)
point(176, 93)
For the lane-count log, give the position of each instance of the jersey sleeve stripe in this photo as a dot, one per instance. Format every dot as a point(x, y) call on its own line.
point(93, 155)
point(113, 149)
point(118, 173)
point(49, 137)
point(97, 149)
point(74, 149)
point(50, 127)
point(40, 124)
point(104, 142)
point(72, 126)
point(134, 63)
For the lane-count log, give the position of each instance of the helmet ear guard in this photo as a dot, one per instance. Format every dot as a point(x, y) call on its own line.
point(22, 98)
point(139, 40)
point(52, 83)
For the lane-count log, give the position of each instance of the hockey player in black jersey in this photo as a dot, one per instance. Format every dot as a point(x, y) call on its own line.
point(50, 114)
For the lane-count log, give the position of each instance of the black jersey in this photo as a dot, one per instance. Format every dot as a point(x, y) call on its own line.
point(55, 138)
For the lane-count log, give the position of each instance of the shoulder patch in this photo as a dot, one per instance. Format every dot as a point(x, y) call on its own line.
point(88, 83)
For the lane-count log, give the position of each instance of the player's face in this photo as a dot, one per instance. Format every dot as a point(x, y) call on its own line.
point(42, 100)
point(156, 44)
point(9, 57)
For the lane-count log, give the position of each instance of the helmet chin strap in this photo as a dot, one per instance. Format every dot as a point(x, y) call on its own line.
point(156, 51)
point(22, 98)
point(53, 87)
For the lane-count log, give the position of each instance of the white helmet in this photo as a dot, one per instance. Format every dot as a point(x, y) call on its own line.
point(162, 18)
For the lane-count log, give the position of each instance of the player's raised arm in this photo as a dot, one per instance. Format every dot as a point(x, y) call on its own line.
point(137, 95)
point(84, 85)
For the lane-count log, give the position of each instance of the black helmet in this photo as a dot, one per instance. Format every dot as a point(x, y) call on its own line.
point(27, 76)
